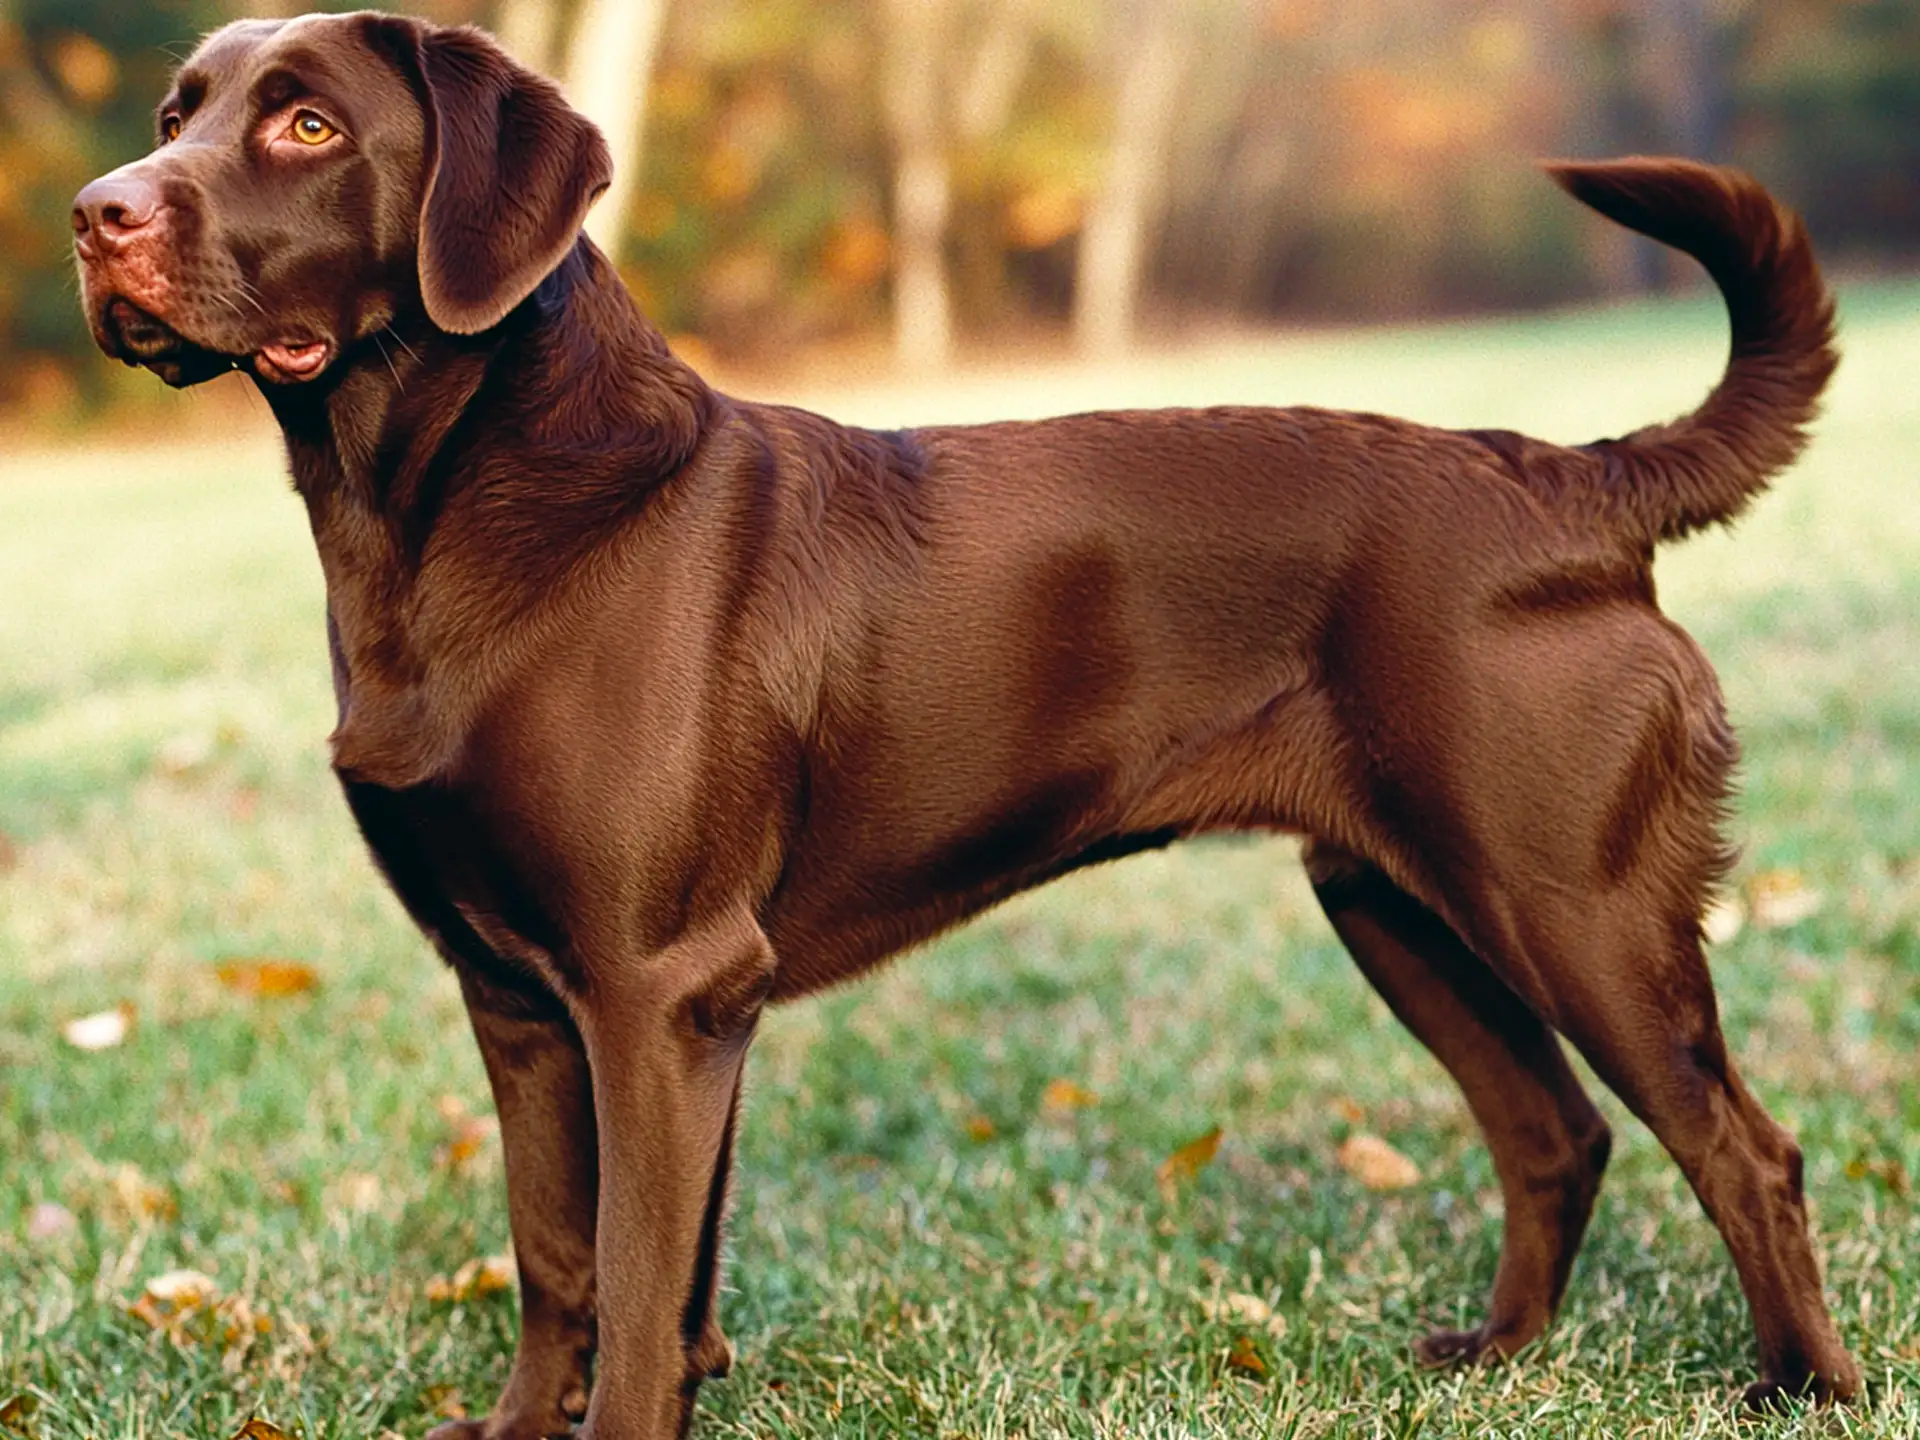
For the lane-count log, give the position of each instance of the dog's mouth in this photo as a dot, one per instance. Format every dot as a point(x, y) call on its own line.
point(138, 337)
point(291, 361)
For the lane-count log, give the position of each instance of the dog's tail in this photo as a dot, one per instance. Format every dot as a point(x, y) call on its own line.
point(1668, 480)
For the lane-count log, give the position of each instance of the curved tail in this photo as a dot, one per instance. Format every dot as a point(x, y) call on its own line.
point(1668, 480)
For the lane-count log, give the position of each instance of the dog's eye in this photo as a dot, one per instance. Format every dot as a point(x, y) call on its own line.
point(169, 129)
point(311, 129)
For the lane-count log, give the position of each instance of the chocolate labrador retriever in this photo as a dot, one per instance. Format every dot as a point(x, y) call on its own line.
point(657, 707)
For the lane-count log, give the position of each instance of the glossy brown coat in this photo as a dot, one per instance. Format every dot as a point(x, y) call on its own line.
point(656, 706)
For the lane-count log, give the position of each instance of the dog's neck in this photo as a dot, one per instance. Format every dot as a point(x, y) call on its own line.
point(432, 543)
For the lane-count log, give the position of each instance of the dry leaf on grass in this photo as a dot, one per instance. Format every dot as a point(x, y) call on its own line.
point(170, 1300)
point(1245, 1357)
point(474, 1280)
point(1186, 1162)
point(1781, 898)
point(469, 1134)
point(101, 1030)
point(266, 979)
point(1062, 1096)
point(1239, 1308)
point(1890, 1173)
point(444, 1401)
point(188, 1307)
point(980, 1128)
point(17, 1413)
point(9, 853)
point(1349, 1110)
point(143, 1200)
point(1724, 919)
point(258, 1429)
point(1376, 1164)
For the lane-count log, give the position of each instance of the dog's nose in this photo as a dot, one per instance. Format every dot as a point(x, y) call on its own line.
point(113, 207)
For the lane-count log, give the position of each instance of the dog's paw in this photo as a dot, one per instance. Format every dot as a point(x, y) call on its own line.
point(499, 1426)
point(1772, 1395)
point(1451, 1347)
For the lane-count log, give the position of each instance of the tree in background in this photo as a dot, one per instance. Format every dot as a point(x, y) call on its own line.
point(820, 169)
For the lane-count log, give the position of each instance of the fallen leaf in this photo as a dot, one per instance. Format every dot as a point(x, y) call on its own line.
point(18, 1412)
point(1238, 1308)
point(101, 1030)
point(258, 1429)
point(1890, 1173)
point(1781, 898)
point(980, 1128)
point(144, 1200)
point(1245, 1356)
point(444, 1401)
point(48, 1221)
point(9, 853)
point(474, 1280)
point(1187, 1161)
point(1724, 919)
point(1376, 1164)
point(1061, 1096)
point(469, 1138)
point(171, 1299)
point(266, 979)
point(1349, 1110)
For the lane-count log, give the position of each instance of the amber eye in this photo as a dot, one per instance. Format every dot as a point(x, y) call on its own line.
point(311, 129)
point(170, 129)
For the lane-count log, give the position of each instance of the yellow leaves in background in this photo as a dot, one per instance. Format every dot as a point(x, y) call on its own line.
point(86, 69)
point(1064, 1096)
point(1376, 1164)
point(102, 1030)
point(187, 1307)
point(266, 979)
point(1779, 898)
point(468, 1135)
point(258, 1429)
point(16, 1415)
point(1187, 1162)
point(475, 1280)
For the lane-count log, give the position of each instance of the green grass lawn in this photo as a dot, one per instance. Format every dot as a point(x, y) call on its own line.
point(923, 1246)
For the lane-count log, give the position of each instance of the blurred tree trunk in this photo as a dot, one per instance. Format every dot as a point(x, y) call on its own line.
point(528, 28)
point(1683, 76)
point(1113, 245)
point(609, 64)
point(922, 186)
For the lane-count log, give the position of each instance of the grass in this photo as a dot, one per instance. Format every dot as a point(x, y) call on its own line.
point(921, 1245)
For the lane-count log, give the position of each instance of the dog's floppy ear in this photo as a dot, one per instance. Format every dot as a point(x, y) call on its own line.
point(510, 169)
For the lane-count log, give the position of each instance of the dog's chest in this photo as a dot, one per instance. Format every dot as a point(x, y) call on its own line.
point(474, 885)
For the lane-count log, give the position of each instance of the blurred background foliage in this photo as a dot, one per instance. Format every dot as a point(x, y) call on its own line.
point(974, 174)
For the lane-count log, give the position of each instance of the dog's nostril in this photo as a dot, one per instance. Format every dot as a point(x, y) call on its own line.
point(114, 204)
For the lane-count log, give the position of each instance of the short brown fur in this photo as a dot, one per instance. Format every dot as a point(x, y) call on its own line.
point(657, 706)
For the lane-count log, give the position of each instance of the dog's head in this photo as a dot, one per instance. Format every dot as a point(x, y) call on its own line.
point(316, 178)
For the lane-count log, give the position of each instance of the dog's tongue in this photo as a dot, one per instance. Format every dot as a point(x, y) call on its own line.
point(302, 359)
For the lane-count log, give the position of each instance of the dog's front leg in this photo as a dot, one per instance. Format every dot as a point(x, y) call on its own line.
point(538, 1070)
point(667, 1035)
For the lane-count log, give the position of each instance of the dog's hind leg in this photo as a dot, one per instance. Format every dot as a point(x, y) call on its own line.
point(1549, 1143)
point(1629, 986)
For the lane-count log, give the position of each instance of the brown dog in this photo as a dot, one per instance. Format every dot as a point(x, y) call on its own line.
point(656, 706)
